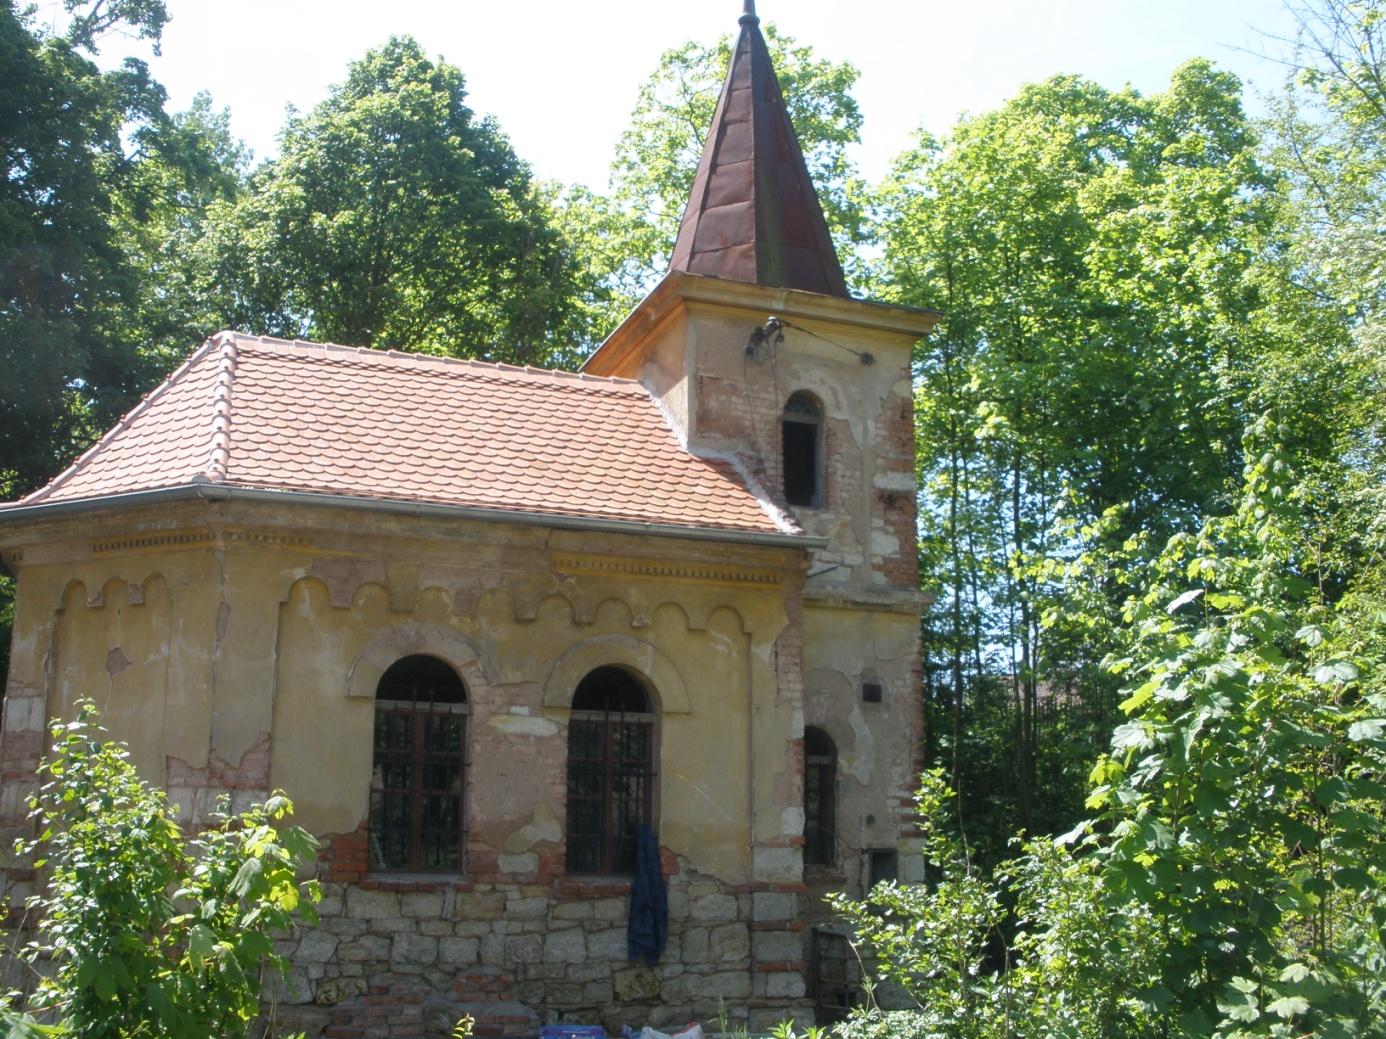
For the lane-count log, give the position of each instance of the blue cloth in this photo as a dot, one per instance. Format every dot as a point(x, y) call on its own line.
point(648, 930)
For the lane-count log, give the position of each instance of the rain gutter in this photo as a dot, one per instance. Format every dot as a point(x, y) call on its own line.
point(221, 492)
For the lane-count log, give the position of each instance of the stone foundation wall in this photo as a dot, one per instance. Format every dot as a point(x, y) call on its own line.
point(409, 958)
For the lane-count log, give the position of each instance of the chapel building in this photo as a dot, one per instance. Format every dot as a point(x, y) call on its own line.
point(484, 624)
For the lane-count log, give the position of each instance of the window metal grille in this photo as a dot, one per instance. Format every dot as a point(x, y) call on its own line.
point(417, 810)
point(834, 976)
point(820, 798)
point(611, 775)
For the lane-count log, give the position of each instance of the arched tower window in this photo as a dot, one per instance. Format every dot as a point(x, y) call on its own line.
point(417, 773)
point(820, 798)
point(801, 429)
point(611, 742)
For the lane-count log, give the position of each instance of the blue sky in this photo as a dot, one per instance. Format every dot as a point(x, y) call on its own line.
point(561, 76)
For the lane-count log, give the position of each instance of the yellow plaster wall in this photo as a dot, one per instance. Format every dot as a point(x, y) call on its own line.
point(321, 749)
point(105, 627)
point(845, 645)
point(205, 631)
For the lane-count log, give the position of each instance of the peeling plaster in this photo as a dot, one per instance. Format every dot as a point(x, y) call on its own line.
point(543, 827)
point(116, 661)
point(792, 822)
point(520, 725)
point(857, 760)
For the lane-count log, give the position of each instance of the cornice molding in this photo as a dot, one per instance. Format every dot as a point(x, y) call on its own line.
point(683, 571)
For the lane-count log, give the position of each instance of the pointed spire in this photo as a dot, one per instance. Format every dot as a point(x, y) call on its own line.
point(753, 215)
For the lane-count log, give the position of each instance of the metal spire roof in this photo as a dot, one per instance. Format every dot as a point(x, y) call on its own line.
point(753, 215)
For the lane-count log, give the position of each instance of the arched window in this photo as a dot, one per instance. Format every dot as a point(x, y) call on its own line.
point(802, 434)
point(820, 798)
point(417, 774)
point(611, 772)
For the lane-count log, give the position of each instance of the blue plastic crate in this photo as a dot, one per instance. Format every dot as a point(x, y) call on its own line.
point(572, 1032)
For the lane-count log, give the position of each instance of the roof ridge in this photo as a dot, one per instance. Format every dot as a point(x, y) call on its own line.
point(219, 459)
point(123, 424)
point(423, 359)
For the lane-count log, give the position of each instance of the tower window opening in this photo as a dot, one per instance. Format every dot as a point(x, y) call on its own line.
point(802, 434)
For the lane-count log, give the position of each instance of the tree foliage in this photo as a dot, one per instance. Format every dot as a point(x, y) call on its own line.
point(1111, 269)
point(1231, 882)
point(141, 930)
point(394, 217)
point(1328, 135)
point(63, 276)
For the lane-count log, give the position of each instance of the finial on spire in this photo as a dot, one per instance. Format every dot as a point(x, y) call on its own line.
point(748, 13)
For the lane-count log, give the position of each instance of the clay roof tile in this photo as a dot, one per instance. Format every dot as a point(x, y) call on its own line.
point(270, 414)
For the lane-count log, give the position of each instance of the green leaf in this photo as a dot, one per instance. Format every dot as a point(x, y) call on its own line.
point(1311, 635)
point(245, 877)
point(201, 941)
point(1367, 729)
point(1131, 736)
point(1287, 1007)
point(1294, 973)
point(1335, 672)
point(1183, 600)
point(1353, 878)
point(1140, 697)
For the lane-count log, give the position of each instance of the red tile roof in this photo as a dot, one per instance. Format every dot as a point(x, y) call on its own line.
point(267, 414)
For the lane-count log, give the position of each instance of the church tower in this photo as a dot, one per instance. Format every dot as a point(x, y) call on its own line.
point(758, 355)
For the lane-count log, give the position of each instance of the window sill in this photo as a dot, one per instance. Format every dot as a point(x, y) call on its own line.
point(414, 882)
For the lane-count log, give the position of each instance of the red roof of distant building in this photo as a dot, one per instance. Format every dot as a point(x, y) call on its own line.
point(270, 414)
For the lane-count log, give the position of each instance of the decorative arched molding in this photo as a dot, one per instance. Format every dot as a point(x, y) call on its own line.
point(731, 615)
point(615, 611)
point(434, 640)
point(74, 593)
point(666, 685)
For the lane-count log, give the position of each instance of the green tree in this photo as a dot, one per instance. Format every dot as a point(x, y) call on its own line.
point(1328, 137)
point(1111, 269)
point(1232, 881)
point(141, 930)
point(394, 218)
point(63, 275)
point(179, 172)
point(101, 186)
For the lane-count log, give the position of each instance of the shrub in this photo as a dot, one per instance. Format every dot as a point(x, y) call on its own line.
point(145, 930)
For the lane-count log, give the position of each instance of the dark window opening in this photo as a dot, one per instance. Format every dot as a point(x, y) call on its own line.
point(834, 976)
point(802, 434)
point(872, 692)
point(820, 798)
point(883, 864)
point(417, 821)
point(610, 772)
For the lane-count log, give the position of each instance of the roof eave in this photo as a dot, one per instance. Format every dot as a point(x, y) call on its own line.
point(677, 288)
point(223, 492)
